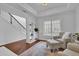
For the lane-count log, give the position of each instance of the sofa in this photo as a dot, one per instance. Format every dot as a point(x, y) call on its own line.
point(72, 49)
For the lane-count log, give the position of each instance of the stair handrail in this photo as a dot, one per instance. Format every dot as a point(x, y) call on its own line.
point(16, 21)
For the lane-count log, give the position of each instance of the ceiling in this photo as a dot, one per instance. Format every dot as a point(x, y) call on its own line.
point(45, 9)
point(40, 7)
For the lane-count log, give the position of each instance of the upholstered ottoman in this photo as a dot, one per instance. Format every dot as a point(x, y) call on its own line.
point(53, 44)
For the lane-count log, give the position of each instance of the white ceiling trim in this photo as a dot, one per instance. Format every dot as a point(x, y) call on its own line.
point(29, 8)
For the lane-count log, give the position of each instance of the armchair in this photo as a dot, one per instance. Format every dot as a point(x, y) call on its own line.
point(65, 39)
point(59, 43)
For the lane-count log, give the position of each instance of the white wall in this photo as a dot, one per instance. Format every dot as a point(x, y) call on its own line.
point(7, 17)
point(14, 32)
point(77, 19)
point(8, 33)
point(20, 31)
point(67, 21)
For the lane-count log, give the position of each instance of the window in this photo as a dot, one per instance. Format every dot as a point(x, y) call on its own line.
point(47, 28)
point(55, 27)
point(52, 27)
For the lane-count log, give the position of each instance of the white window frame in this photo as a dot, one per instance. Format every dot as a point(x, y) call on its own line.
point(52, 26)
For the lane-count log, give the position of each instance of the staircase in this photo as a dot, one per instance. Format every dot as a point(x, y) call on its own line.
point(11, 29)
point(13, 21)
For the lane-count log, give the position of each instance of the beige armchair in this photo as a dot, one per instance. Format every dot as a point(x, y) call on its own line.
point(59, 43)
point(65, 39)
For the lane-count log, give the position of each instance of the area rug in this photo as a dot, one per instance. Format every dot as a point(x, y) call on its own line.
point(40, 49)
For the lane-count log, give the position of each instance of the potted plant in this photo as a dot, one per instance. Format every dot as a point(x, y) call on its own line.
point(77, 34)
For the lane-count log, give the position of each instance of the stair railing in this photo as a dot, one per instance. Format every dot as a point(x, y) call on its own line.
point(11, 16)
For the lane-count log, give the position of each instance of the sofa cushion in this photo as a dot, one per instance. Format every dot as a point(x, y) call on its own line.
point(61, 34)
point(66, 35)
point(69, 52)
point(76, 41)
point(73, 47)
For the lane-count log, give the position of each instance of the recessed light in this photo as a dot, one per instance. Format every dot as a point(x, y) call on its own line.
point(44, 4)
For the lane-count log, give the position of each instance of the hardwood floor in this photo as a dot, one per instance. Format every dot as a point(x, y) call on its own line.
point(20, 46)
